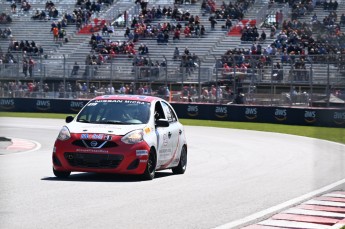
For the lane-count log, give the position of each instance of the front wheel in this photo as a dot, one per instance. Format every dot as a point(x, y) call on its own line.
point(182, 165)
point(61, 174)
point(150, 170)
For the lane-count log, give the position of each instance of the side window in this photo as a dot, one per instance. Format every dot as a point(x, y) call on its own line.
point(159, 113)
point(170, 114)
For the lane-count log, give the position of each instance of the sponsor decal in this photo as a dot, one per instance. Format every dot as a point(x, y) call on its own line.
point(83, 150)
point(165, 140)
point(116, 101)
point(91, 104)
point(280, 114)
point(192, 110)
point(43, 105)
point(84, 136)
point(143, 161)
point(107, 137)
point(339, 118)
point(141, 153)
point(221, 112)
point(310, 116)
point(251, 113)
point(147, 130)
point(94, 136)
point(165, 154)
point(7, 104)
point(76, 105)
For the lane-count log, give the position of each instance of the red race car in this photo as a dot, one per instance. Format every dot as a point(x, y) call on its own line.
point(123, 134)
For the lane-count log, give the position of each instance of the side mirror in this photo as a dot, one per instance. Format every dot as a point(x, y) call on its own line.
point(69, 119)
point(162, 123)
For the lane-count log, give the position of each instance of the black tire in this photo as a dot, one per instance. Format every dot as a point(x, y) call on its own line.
point(150, 170)
point(182, 165)
point(61, 174)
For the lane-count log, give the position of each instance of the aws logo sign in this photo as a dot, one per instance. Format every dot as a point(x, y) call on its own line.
point(221, 112)
point(280, 114)
point(76, 105)
point(7, 104)
point(192, 110)
point(339, 118)
point(43, 105)
point(310, 116)
point(251, 113)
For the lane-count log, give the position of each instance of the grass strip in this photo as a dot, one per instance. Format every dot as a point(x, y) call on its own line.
point(326, 133)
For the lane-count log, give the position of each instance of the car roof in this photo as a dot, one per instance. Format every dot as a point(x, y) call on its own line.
point(142, 98)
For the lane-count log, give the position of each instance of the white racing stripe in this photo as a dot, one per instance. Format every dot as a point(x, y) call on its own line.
point(292, 224)
point(336, 195)
point(299, 211)
point(251, 219)
point(325, 203)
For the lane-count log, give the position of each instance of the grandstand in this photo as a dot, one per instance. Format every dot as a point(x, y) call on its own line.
point(322, 73)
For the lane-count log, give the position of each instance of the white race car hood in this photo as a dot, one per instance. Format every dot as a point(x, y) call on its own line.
point(76, 127)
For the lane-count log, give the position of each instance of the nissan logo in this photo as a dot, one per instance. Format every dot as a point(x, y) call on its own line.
point(93, 143)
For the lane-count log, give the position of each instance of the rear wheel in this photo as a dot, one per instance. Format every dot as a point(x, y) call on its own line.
point(150, 170)
point(61, 174)
point(182, 165)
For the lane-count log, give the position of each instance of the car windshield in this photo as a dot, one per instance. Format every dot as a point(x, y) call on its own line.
point(115, 112)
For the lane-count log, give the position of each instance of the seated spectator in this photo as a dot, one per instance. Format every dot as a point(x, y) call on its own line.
point(272, 31)
point(160, 38)
point(75, 69)
point(177, 34)
point(166, 38)
point(187, 32)
point(49, 5)
point(228, 23)
point(4, 18)
point(176, 54)
point(39, 15)
point(53, 13)
point(25, 5)
point(105, 30)
point(262, 36)
point(143, 50)
point(13, 7)
point(342, 19)
point(202, 30)
point(111, 29)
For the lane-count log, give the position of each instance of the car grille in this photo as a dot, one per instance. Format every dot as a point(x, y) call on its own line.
point(94, 144)
point(88, 160)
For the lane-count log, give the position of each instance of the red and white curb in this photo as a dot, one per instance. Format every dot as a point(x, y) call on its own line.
point(323, 212)
point(325, 205)
point(22, 145)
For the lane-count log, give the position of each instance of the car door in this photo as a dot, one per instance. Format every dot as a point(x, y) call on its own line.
point(171, 137)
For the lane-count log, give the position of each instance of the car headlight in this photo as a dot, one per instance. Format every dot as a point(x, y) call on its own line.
point(133, 137)
point(64, 134)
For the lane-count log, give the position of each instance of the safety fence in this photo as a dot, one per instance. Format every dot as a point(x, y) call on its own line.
point(317, 80)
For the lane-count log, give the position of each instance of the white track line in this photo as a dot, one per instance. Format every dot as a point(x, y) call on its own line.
point(256, 217)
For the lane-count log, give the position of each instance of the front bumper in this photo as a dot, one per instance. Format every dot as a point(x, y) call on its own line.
point(119, 158)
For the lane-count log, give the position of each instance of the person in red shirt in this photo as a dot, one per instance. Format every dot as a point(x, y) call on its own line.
point(55, 34)
point(187, 31)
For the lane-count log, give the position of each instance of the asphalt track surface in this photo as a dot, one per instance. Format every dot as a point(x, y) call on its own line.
point(231, 174)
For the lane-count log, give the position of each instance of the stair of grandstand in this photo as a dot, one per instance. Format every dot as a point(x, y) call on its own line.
point(209, 47)
point(232, 41)
point(200, 46)
point(317, 68)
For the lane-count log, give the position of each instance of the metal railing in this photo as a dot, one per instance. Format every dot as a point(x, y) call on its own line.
point(322, 78)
